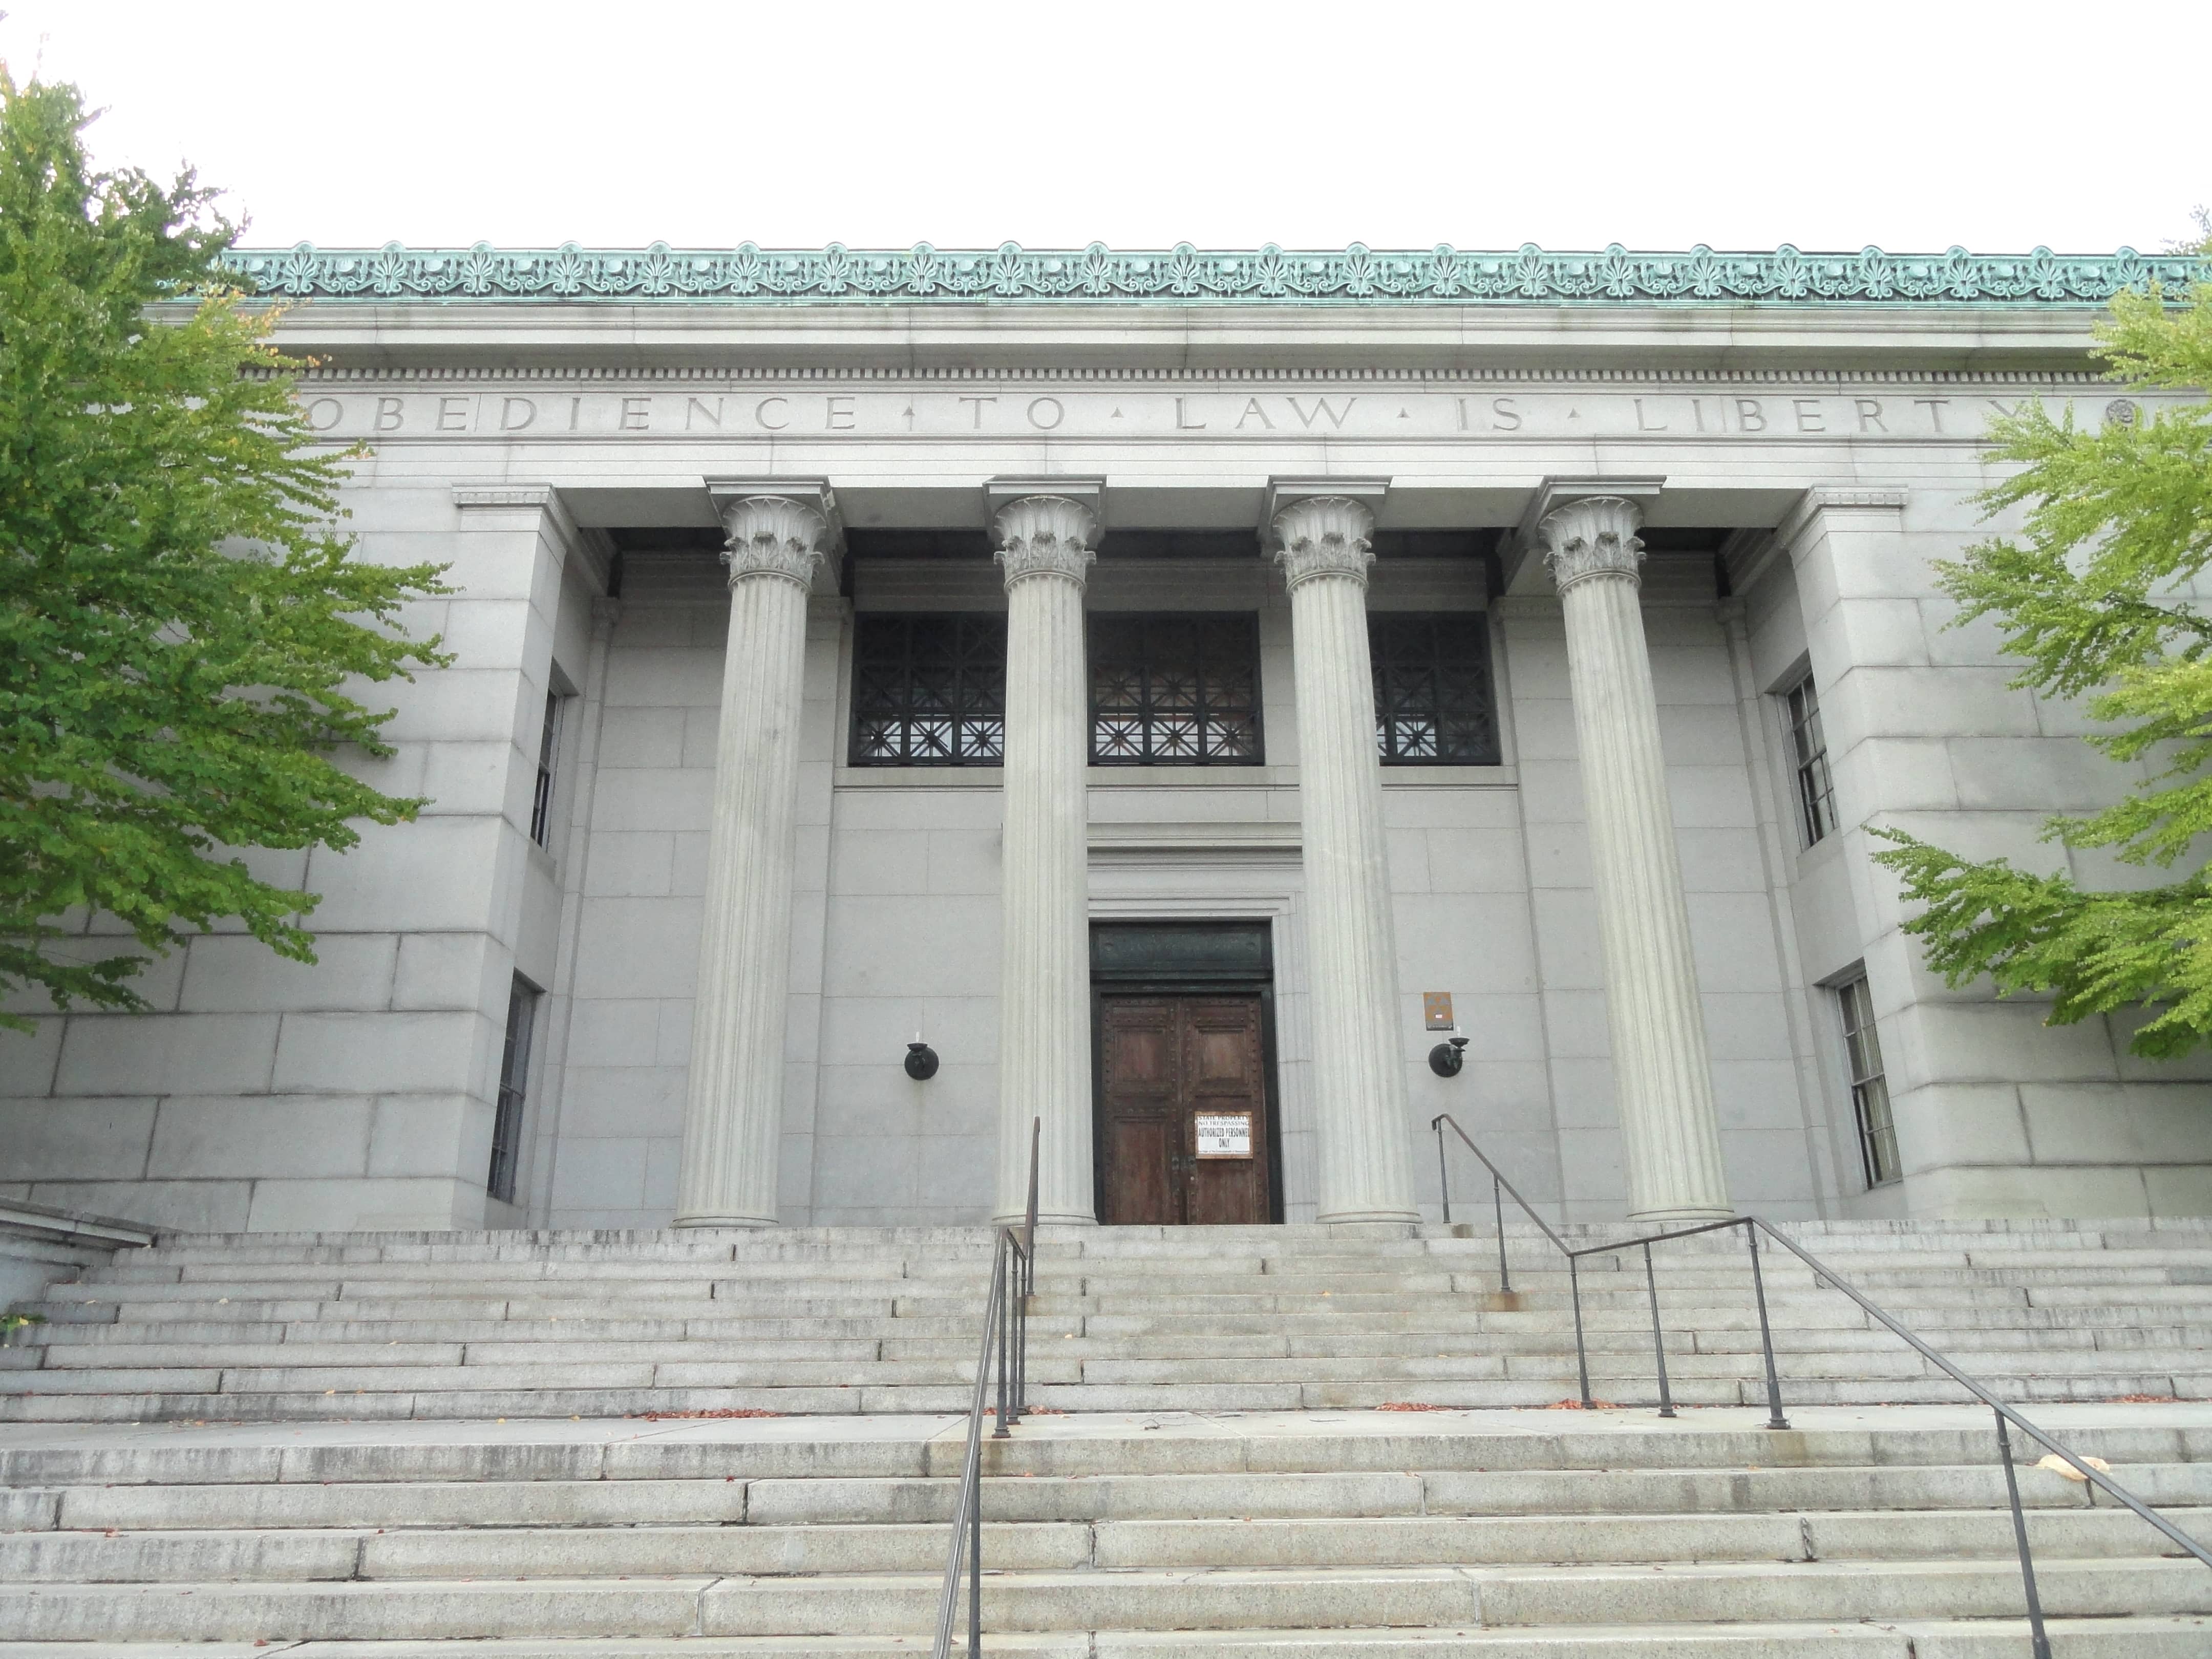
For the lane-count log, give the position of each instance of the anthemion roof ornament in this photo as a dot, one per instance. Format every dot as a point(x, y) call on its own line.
point(924, 275)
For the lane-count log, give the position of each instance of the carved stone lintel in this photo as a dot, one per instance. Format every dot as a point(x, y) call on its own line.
point(1045, 535)
point(775, 536)
point(1324, 536)
point(1594, 535)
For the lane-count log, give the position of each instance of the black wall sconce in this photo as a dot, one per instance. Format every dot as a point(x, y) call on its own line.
point(1447, 1057)
point(920, 1061)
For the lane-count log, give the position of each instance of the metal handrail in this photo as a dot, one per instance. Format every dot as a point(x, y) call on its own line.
point(1005, 1336)
point(1499, 1184)
point(1753, 1227)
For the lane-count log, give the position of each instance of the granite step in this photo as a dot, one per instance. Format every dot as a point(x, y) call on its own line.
point(338, 1406)
point(493, 1341)
point(2134, 1637)
point(891, 1604)
point(354, 1554)
point(216, 1506)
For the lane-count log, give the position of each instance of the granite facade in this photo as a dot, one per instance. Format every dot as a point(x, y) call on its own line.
point(361, 1091)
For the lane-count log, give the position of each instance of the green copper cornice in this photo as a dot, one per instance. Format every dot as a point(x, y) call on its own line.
point(747, 275)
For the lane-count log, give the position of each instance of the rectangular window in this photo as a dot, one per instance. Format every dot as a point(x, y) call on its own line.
point(1433, 705)
point(1174, 691)
point(1869, 1088)
point(513, 1079)
point(549, 753)
point(929, 691)
point(1808, 748)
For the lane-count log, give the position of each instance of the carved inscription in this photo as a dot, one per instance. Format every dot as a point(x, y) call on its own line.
point(1199, 416)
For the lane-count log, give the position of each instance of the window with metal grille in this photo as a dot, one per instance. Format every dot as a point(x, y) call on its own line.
point(1433, 703)
point(1174, 691)
point(1869, 1087)
point(929, 691)
point(1808, 748)
point(513, 1079)
point(548, 753)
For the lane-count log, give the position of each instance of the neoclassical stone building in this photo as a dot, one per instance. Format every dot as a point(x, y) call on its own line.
point(899, 698)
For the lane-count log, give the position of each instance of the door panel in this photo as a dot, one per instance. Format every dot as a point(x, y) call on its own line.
point(1222, 1076)
point(1167, 1059)
point(1142, 1140)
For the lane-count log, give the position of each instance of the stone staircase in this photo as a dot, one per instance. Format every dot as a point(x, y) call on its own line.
point(380, 1446)
point(284, 1328)
point(1305, 1535)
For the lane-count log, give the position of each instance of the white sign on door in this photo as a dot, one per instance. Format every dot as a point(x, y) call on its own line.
point(1225, 1135)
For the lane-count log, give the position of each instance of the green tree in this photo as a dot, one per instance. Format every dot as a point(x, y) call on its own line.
point(2095, 597)
point(179, 622)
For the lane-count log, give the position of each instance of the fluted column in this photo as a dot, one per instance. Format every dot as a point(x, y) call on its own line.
point(1045, 545)
point(733, 1112)
point(1662, 1076)
point(1360, 1110)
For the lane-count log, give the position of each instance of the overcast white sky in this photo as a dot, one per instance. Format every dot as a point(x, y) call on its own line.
point(1914, 126)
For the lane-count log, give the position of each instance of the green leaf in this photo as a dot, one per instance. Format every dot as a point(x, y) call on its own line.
point(184, 629)
point(2095, 598)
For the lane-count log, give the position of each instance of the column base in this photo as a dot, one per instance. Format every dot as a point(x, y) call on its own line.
point(1689, 1215)
point(1371, 1218)
point(725, 1221)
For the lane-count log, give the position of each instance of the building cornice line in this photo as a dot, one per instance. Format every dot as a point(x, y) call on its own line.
point(1407, 378)
point(1186, 275)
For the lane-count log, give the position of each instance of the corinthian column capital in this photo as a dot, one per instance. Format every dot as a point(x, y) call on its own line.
point(1592, 536)
point(1324, 536)
point(775, 536)
point(1045, 535)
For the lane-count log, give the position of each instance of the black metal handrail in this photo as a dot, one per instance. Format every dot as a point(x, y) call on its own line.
point(1753, 1227)
point(1006, 1338)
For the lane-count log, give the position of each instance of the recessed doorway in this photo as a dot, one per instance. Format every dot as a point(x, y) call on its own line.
point(1184, 1108)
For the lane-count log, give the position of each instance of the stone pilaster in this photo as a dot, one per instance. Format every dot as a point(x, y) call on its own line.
point(1324, 544)
point(732, 1115)
point(1663, 1081)
point(1046, 546)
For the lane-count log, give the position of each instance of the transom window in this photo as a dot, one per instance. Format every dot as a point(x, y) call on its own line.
point(1433, 704)
point(1869, 1084)
point(929, 691)
point(1174, 691)
point(1808, 747)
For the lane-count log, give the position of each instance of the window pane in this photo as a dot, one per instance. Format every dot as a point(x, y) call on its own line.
point(1869, 1087)
point(549, 750)
point(1433, 704)
point(1181, 690)
point(928, 690)
point(1808, 746)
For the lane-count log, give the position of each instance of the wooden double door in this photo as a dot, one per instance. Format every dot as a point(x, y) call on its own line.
point(1183, 1133)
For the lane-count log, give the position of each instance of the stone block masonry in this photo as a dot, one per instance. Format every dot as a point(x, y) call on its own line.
point(723, 921)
